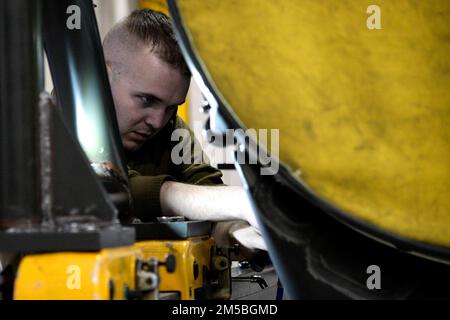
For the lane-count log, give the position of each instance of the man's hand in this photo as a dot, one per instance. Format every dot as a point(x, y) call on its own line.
point(250, 237)
point(213, 203)
point(229, 233)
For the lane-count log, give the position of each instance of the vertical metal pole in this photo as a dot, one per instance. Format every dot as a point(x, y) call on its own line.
point(21, 80)
point(81, 83)
point(45, 146)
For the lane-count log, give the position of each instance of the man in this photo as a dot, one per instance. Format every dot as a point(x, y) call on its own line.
point(149, 79)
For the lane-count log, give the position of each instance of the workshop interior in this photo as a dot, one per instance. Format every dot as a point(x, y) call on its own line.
point(351, 190)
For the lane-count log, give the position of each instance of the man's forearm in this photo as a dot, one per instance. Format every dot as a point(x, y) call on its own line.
point(214, 203)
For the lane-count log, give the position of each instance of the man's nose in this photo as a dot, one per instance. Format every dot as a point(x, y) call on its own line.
point(156, 119)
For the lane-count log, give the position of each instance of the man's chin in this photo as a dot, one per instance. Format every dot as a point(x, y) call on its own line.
point(133, 141)
point(132, 145)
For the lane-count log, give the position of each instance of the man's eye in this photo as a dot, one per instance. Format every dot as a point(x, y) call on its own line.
point(146, 101)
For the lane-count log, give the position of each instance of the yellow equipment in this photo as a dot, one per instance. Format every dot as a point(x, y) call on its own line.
point(358, 94)
point(192, 257)
point(199, 270)
point(106, 275)
point(202, 270)
point(363, 113)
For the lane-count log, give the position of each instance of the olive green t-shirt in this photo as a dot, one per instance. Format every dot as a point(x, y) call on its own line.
point(152, 165)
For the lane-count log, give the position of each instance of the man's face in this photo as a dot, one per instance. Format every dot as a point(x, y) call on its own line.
point(146, 93)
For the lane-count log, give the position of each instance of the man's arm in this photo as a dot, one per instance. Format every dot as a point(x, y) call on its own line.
point(214, 203)
point(200, 196)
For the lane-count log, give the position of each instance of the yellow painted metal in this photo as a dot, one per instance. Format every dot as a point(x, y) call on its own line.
point(161, 6)
point(156, 5)
point(76, 275)
point(363, 113)
point(195, 250)
point(183, 111)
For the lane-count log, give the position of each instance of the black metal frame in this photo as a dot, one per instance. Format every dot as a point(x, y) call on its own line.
point(179, 230)
point(79, 73)
point(58, 202)
point(20, 58)
point(38, 241)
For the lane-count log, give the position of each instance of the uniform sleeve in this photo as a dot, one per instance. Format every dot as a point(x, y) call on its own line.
point(194, 167)
point(146, 192)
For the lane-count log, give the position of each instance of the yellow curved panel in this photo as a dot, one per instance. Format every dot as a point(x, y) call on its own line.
point(363, 113)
